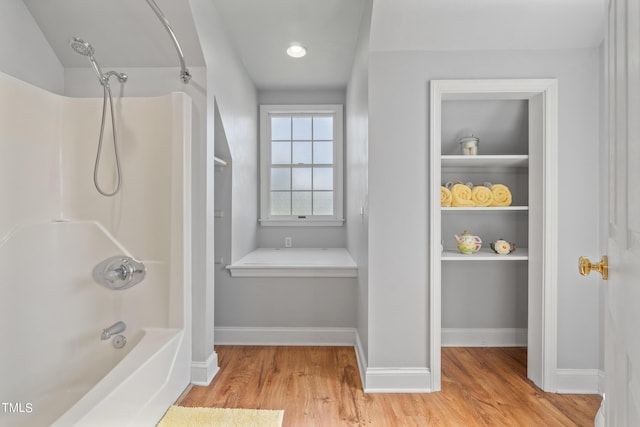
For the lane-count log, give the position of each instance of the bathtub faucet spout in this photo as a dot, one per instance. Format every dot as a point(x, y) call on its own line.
point(112, 330)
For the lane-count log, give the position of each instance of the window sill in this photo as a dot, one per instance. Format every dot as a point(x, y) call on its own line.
point(301, 222)
point(295, 262)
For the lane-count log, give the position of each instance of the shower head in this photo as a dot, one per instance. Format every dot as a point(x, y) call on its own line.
point(82, 47)
point(85, 49)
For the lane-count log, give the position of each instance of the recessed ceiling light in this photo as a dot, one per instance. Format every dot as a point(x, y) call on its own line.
point(296, 51)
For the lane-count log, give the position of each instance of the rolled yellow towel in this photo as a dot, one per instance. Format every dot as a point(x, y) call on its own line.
point(481, 195)
point(501, 195)
point(461, 196)
point(445, 196)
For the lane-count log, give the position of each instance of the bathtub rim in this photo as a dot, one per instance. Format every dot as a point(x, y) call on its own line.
point(150, 345)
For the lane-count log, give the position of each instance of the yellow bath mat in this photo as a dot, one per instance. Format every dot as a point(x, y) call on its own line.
point(180, 416)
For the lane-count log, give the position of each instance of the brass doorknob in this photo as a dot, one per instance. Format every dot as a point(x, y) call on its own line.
point(585, 266)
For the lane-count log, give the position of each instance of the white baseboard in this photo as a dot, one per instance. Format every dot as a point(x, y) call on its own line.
point(579, 381)
point(285, 336)
point(388, 380)
point(395, 380)
point(361, 358)
point(374, 380)
point(484, 337)
point(202, 373)
point(398, 380)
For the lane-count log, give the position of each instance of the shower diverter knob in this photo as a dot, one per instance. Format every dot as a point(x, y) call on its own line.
point(119, 272)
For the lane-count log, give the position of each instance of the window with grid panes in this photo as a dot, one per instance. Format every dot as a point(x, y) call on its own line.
point(301, 165)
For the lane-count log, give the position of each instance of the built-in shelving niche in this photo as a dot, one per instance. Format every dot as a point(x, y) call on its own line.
point(517, 126)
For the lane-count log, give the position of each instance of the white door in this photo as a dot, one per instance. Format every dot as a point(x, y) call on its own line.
point(622, 301)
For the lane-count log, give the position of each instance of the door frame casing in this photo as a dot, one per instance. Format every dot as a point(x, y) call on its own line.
point(542, 95)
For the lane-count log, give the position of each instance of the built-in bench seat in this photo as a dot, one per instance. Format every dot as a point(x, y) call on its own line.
point(295, 262)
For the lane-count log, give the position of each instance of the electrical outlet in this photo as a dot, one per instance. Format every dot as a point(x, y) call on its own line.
point(287, 242)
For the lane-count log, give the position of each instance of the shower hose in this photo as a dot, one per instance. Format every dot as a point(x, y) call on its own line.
point(107, 95)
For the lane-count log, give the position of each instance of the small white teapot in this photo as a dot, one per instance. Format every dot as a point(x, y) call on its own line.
point(468, 243)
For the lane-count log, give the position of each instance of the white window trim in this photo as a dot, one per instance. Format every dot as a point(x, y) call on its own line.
point(265, 155)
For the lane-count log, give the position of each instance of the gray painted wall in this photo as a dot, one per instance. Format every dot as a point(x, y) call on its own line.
point(275, 302)
point(232, 97)
point(280, 302)
point(398, 203)
point(24, 51)
point(329, 96)
point(357, 174)
point(284, 302)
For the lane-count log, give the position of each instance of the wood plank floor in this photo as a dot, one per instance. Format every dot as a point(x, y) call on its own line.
point(320, 386)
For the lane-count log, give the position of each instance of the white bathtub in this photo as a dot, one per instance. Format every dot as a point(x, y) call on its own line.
point(56, 367)
point(138, 390)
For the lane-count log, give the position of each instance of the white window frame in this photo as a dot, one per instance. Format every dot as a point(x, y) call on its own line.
point(266, 111)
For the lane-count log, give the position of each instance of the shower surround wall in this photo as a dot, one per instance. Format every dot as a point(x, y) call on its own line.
point(54, 227)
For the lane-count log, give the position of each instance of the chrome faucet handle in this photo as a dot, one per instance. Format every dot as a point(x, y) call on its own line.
point(119, 272)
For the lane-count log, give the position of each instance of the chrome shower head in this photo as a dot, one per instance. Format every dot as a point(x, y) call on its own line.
point(85, 49)
point(82, 47)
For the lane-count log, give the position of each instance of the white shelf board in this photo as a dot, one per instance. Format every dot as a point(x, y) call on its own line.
point(485, 209)
point(485, 161)
point(219, 162)
point(485, 254)
point(295, 262)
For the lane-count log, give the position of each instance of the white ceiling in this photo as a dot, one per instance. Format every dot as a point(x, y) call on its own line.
point(126, 33)
point(262, 30)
